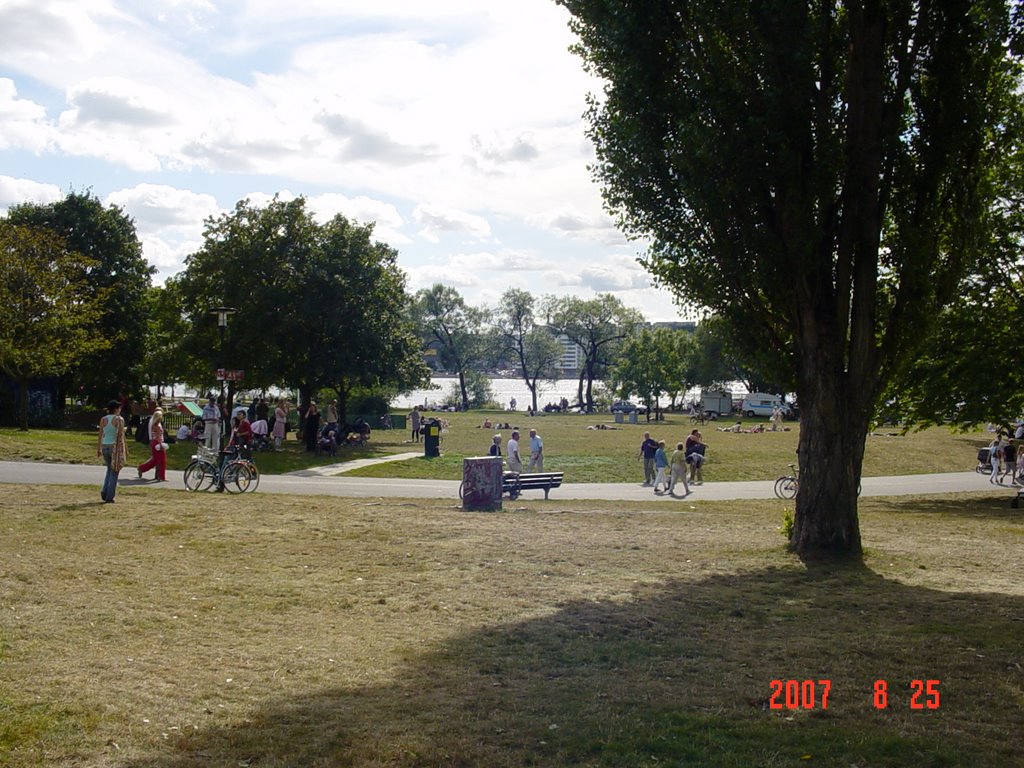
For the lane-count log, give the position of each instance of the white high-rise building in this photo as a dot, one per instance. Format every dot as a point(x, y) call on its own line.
point(572, 354)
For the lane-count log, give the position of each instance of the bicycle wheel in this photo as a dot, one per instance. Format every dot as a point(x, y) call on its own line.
point(237, 477)
point(786, 487)
point(254, 481)
point(198, 476)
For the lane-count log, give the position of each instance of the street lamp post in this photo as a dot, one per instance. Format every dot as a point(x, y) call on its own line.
point(222, 325)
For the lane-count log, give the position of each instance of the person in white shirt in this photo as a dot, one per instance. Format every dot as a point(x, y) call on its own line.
point(515, 464)
point(536, 452)
point(211, 425)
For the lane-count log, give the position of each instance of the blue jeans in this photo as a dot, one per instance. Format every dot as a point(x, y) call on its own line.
point(110, 481)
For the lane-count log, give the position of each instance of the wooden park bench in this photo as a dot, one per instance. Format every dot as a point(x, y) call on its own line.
point(515, 483)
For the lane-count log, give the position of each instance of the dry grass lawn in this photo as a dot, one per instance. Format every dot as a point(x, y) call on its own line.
point(168, 630)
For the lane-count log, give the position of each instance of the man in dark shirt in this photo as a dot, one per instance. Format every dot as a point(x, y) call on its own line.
point(648, 448)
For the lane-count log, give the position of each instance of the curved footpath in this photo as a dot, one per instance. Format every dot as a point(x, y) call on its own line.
point(320, 481)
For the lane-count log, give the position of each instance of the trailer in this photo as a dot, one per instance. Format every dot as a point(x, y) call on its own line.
point(716, 403)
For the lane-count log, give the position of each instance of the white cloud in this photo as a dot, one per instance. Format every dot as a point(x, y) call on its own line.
point(612, 278)
point(169, 222)
point(486, 261)
point(24, 121)
point(385, 217)
point(14, 191)
point(437, 220)
point(456, 120)
point(162, 208)
point(425, 277)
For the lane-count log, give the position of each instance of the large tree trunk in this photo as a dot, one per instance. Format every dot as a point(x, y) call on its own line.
point(833, 429)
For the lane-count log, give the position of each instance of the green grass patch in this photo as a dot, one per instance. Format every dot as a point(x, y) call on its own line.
point(585, 455)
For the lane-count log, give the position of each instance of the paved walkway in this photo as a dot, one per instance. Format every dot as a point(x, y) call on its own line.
point(330, 470)
point(316, 482)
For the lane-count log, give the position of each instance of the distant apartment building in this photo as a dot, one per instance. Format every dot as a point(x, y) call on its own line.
point(572, 356)
point(677, 325)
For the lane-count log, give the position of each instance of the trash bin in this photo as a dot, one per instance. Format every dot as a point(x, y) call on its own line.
point(142, 431)
point(632, 417)
point(618, 417)
point(481, 484)
point(431, 430)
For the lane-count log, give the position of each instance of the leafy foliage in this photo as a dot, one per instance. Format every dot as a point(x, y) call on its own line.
point(317, 305)
point(456, 331)
point(818, 175)
point(115, 272)
point(656, 362)
point(518, 336)
point(598, 326)
point(51, 316)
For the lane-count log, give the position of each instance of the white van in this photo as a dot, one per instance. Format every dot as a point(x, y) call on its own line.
point(760, 404)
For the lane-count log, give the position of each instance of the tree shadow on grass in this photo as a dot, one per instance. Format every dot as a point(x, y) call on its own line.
point(974, 506)
point(677, 675)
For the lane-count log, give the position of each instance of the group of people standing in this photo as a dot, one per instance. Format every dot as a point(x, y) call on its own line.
point(665, 473)
point(513, 456)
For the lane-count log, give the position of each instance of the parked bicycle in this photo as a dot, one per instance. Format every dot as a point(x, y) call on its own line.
point(700, 416)
point(205, 471)
point(787, 486)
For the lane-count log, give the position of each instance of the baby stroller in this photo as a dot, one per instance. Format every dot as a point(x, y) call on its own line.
point(328, 441)
point(260, 437)
point(984, 462)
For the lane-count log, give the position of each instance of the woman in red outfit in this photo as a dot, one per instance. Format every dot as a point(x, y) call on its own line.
point(157, 447)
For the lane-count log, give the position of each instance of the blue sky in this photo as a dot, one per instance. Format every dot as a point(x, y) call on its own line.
point(455, 125)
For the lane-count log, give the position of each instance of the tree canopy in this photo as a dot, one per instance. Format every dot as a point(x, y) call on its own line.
point(598, 326)
point(520, 337)
point(819, 175)
point(114, 269)
point(656, 362)
point(51, 315)
point(318, 306)
point(455, 330)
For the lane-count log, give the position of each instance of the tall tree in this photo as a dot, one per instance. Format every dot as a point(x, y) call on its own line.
point(117, 271)
point(652, 363)
point(519, 337)
point(51, 317)
point(455, 329)
point(597, 326)
point(317, 305)
point(725, 357)
point(963, 376)
point(816, 173)
point(165, 353)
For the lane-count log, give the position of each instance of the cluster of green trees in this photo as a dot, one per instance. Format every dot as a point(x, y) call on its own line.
point(618, 348)
point(317, 306)
point(521, 333)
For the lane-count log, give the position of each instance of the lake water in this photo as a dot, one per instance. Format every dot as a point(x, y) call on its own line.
point(505, 389)
point(502, 389)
